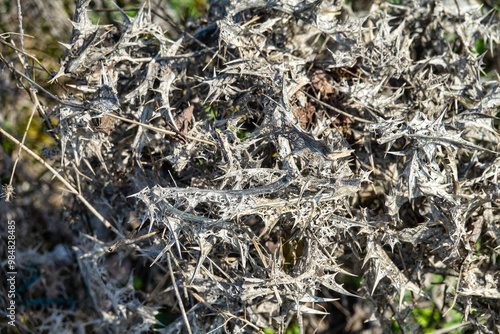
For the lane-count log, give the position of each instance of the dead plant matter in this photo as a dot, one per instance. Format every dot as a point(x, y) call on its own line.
point(279, 148)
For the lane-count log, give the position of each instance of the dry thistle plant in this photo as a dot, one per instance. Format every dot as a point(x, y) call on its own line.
point(279, 163)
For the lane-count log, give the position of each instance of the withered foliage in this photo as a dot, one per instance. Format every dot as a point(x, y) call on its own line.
point(275, 151)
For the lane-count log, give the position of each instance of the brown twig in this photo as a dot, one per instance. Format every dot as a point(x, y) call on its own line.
point(359, 119)
point(177, 294)
point(66, 183)
point(172, 133)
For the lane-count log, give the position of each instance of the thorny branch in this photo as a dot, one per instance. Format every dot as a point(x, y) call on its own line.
point(323, 144)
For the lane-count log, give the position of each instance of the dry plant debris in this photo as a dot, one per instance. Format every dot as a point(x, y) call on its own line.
point(274, 150)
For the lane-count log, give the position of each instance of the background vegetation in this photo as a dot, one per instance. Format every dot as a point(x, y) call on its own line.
point(315, 166)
